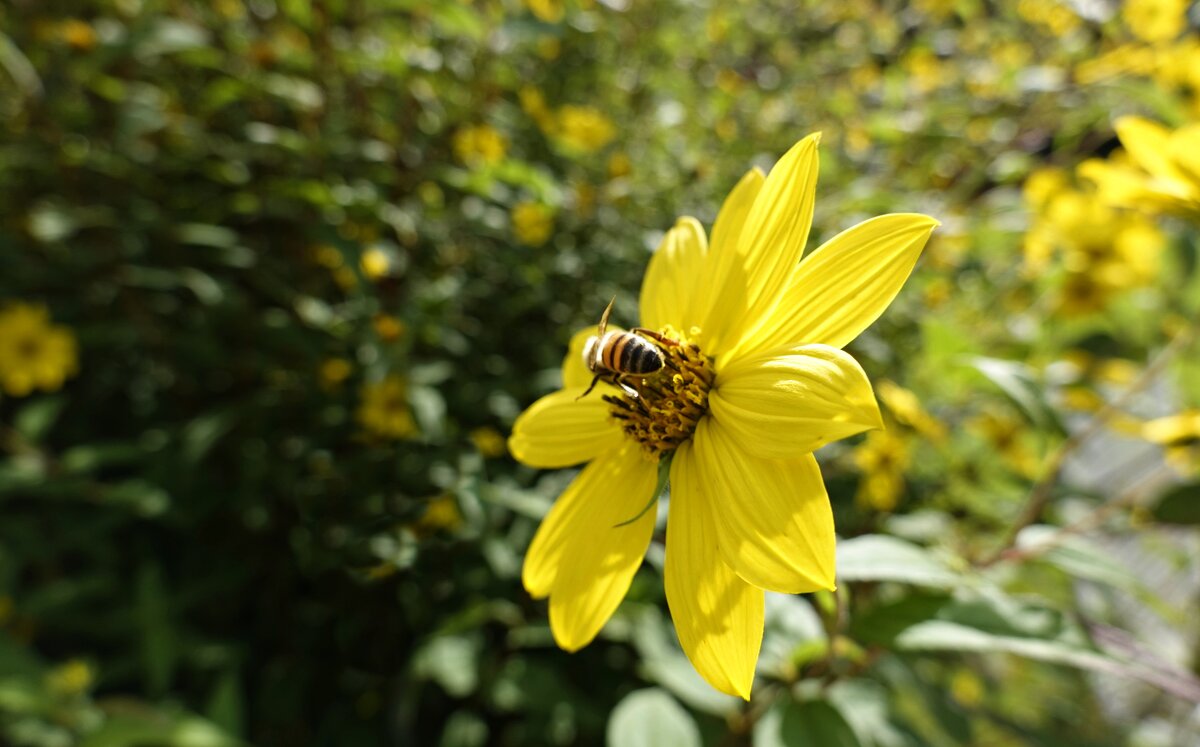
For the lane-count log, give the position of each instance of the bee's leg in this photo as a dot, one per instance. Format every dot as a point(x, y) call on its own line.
point(619, 381)
point(661, 339)
point(590, 388)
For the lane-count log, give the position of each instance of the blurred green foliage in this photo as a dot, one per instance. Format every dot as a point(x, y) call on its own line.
point(228, 528)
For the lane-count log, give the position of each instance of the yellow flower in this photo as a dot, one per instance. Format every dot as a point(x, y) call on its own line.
point(488, 441)
point(34, 354)
point(1179, 435)
point(619, 165)
point(388, 327)
point(532, 223)
point(383, 408)
point(480, 145)
point(1162, 173)
point(334, 371)
point(375, 263)
point(550, 11)
point(1155, 20)
point(907, 409)
point(72, 678)
point(584, 128)
point(882, 458)
point(441, 514)
point(1005, 435)
point(1102, 250)
point(78, 34)
point(754, 381)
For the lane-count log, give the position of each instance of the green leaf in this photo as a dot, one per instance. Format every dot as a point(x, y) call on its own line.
point(665, 664)
point(815, 723)
point(1077, 557)
point(651, 718)
point(225, 704)
point(452, 662)
point(157, 635)
point(35, 419)
point(1018, 382)
point(877, 557)
point(1180, 505)
point(864, 705)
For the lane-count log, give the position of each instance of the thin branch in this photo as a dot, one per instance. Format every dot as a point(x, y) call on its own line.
point(1043, 489)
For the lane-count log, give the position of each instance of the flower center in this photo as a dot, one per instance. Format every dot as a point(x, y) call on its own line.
point(670, 402)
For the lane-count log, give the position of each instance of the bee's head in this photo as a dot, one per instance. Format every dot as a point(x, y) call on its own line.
point(590, 350)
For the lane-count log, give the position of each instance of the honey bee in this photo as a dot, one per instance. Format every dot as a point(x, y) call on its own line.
point(614, 356)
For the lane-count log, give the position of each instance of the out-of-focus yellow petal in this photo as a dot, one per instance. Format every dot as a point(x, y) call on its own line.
point(745, 283)
point(588, 560)
point(1184, 151)
point(792, 401)
point(718, 616)
point(674, 278)
point(560, 430)
point(844, 286)
point(773, 519)
point(1147, 143)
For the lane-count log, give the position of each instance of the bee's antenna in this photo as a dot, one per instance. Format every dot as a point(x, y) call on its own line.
point(604, 317)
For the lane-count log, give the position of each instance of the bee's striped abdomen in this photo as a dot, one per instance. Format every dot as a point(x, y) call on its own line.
point(627, 353)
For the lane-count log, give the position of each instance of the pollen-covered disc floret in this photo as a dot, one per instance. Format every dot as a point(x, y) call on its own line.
point(671, 401)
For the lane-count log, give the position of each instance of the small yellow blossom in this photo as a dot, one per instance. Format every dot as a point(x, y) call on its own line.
point(78, 34)
point(34, 354)
point(532, 223)
point(1005, 435)
point(383, 409)
point(550, 11)
point(619, 165)
point(375, 263)
point(327, 256)
point(533, 103)
point(1102, 250)
point(549, 48)
point(489, 441)
point(1155, 20)
point(480, 145)
point(334, 371)
point(71, 678)
point(1179, 435)
point(907, 409)
point(388, 327)
point(441, 514)
point(584, 128)
point(967, 688)
point(882, 459)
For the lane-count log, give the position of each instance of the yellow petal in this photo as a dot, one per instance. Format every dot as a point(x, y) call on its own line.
point(561, 430)
point(793, 401)
point(711, 309)
point(745, 283)
point(1184, 151)
point(595, 558)
point(718, 616)
point(673, 279)
point(1147, 144)
point(843, 286)
point(572, 516)
point(774, 522)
